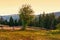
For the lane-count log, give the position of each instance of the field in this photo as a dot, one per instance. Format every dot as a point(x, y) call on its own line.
point(30, 35)
point(33, 33)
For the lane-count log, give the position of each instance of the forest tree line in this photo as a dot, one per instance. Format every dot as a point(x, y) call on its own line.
point(48, 21)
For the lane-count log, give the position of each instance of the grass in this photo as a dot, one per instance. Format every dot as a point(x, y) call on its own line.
point(30, 35)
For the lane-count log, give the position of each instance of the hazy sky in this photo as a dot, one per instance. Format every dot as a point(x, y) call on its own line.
point(13, 6)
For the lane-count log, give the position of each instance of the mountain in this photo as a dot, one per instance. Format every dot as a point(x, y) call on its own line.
point(16, 16)
point(7, 17)
point(57, 13)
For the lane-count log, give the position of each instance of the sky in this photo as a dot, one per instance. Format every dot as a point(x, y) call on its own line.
point(8, 7)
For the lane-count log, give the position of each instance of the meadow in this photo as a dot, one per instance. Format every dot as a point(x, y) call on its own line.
point(30, 35)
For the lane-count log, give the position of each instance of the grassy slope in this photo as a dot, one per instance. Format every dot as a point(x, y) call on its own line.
point(30, 35)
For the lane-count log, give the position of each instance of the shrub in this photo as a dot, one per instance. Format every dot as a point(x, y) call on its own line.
point(58, 26)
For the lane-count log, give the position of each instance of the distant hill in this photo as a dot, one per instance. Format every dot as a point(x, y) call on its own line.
point(16, 16)
point(57, 13)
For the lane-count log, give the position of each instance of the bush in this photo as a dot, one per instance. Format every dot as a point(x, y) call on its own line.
point(58, 26)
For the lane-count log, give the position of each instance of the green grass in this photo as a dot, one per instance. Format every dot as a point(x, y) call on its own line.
point(29, 35)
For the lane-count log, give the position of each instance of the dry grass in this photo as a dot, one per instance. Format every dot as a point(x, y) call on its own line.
point(29, 35)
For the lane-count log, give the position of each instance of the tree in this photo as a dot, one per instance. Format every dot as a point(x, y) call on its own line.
point(42, 20)
point(1, 22)
point(53, 21)
point(11, 21)
point(5, 22)
point(47, 21)
point(26, 15)
point(19, 22)
point(15, 22)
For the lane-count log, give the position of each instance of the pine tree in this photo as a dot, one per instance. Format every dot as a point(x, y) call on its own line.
point(5, 22)
point(1, 22)
point(11, 21)
point(43, 20)
point(15, 22)
point(20, 22)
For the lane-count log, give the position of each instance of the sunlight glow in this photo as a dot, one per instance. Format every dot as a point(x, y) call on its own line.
point(8, 7)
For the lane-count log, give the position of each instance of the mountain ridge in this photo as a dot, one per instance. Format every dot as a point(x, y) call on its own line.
point(16, 16)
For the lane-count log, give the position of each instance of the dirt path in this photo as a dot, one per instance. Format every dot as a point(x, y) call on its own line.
point(10, 28)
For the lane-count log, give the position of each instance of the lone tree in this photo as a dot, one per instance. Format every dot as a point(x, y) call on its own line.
point(26, 15)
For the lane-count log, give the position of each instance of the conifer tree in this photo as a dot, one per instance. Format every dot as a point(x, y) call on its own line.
point(11, 21)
